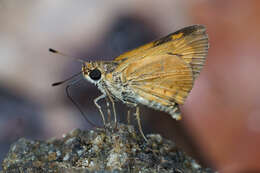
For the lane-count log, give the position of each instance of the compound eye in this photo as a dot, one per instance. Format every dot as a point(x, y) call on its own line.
point(95, 74)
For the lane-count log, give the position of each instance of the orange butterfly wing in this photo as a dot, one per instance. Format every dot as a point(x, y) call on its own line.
point(164, 70)
point(164, 78)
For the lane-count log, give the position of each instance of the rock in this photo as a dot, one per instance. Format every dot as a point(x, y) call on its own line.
point(108, 150)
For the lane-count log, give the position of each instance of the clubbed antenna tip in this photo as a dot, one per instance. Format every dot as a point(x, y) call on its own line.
point(62, 54)
point(52, 50)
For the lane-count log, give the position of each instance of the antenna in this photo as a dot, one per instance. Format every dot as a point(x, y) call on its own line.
point(68, 79)
point(62, 54)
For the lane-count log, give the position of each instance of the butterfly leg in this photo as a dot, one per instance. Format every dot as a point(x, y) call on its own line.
point(137, 113)
point(130, 104)
point(113, 105)
point(108, 110)
point(99, 107)
point(128, 117)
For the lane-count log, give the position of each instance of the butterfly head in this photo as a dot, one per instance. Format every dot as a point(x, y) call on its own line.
point(92, 71)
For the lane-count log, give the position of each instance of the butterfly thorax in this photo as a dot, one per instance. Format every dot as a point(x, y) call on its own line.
point(103, 75)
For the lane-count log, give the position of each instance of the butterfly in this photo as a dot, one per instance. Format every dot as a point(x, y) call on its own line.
point(159, 74)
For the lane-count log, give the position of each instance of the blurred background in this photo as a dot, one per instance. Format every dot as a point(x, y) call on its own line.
point(221, 117)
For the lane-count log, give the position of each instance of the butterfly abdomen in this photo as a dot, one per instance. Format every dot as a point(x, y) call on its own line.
point(173, 108)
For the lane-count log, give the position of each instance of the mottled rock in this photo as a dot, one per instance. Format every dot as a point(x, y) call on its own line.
point(109, 150)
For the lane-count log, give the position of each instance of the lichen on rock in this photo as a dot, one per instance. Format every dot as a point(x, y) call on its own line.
point(111, 149)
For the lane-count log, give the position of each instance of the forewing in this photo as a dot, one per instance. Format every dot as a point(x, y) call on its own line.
point(161, 78)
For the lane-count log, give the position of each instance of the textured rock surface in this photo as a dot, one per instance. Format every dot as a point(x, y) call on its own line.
point(112, 149)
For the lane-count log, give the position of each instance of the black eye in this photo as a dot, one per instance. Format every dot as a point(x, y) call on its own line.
point(95, 74)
